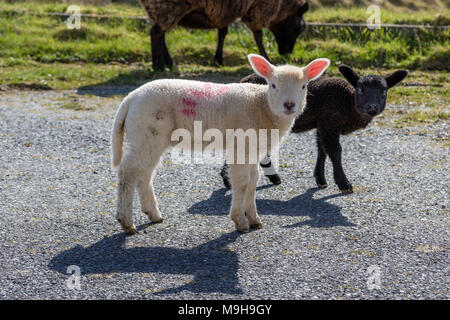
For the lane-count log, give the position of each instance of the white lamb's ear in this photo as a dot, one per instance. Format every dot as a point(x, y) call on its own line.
point(261, 66)
point(316, 68)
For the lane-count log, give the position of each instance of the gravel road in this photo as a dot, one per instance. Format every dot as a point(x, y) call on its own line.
point(388, 240)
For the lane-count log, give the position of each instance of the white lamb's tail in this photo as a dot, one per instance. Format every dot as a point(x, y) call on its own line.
point(118, 133)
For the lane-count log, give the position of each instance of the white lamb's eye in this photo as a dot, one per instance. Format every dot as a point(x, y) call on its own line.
point(274, 86)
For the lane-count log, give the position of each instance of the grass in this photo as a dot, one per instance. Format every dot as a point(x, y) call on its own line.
point(40, 52)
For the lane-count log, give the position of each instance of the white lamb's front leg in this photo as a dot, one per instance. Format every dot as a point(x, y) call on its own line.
point(240, 178)
point(250, 199)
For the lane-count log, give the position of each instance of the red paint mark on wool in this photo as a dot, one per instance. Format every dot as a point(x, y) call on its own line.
point(205, 94)
point(189, 103)
point(188, 107)
point(209, 90)
point(221, 89)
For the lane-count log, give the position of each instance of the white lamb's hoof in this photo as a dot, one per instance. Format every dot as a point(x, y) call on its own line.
point(242, 226)
point(242, 229)
point(130, 230)
point(155, 218)
point(257, 225)
point(157, 221)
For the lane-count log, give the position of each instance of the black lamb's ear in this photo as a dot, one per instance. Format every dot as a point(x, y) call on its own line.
point(303, 9)
point(395, 78)
point(349, 74)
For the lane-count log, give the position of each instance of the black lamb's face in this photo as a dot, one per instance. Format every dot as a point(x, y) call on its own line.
point(370, 95)
point(371, 91)
point(287, 31)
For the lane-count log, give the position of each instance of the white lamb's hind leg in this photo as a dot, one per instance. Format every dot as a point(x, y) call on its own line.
point(149, 204)
point(240, 177)
point(154, 143)
point(128, 173)
point(250, 203)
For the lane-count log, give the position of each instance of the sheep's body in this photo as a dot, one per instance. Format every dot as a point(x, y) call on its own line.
point(202, 14)
point(212, 14)
point(151, 113)
point(330, 103)
point(334, 108)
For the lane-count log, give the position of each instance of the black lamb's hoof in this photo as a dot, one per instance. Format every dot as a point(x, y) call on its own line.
point(274, 178)
point(347, 191)
point(346, 188)
point(321, 182)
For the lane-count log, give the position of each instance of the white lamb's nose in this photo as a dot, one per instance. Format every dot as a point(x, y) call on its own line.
point(289, 105)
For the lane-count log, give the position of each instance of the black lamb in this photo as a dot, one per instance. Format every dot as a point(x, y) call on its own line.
point(334, 106)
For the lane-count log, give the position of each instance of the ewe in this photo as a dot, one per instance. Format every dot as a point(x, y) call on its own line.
point(148, 116)
point(283, 17)
point(334, 106)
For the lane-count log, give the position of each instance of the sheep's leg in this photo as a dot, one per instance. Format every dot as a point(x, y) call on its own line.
point(167, 58)
point(269, 170)
point(128, 172)
point(240, 178)
point(157, 42)
point(319, 170)
point(330, 141)
point(225, 176)
point(149, 204)
point(151, 151)
point(258, 35)
point(218, 57)
point(250, 203)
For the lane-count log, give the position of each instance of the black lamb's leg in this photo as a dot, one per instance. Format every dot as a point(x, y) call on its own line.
point(225, 176)
point(330, 141)
point(218, 57)
point(167, 59)
point(258, 35)
point(269, 170)
point(157, 38)
point(319, 170)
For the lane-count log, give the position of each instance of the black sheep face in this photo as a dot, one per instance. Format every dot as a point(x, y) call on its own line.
point(287, 31)
point(371, 91)
point(370, 96)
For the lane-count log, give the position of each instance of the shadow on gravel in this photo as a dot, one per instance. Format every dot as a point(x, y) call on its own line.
point(214, 268)
point(322, 214)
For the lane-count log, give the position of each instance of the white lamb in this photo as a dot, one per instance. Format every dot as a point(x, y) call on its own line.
point(148, 116)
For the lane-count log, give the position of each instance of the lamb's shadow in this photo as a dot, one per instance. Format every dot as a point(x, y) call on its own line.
point(322, 213)
point(214, 268)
